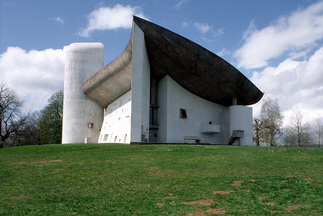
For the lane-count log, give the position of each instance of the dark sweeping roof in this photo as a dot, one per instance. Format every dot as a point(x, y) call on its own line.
point(196, 69)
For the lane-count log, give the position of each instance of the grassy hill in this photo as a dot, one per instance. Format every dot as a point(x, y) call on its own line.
point(110, 179)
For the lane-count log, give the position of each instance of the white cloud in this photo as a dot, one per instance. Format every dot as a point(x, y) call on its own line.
point(59, 20)
point(106, 18)
point(185, 24)
point(180, 3)
point(223, 52)
point(34, 75)
point(203, 27)
point(296, 84)
point(296, 32)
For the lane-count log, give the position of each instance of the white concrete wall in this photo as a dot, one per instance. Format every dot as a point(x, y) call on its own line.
point(116, 125)
point(82, 60)
point(241, 119)
point(172, 128)
point(140, 86)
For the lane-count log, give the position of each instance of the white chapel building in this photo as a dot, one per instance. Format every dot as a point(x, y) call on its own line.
point(163, 88)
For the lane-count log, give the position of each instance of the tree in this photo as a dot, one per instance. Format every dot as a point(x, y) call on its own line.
point(12, 118)
point(257, 129)
point(28, 134)
point(271, 120)
point(298, 132)
point(50, 121)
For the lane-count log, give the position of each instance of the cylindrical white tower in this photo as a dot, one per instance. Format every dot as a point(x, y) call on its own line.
point(82, 117)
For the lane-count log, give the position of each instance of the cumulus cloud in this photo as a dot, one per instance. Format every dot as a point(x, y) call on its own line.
point(296, 84)
point(34, 75)
point(294, 33)
point(107, 18)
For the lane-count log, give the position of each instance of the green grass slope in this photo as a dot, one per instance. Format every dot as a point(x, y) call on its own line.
point(109, 179)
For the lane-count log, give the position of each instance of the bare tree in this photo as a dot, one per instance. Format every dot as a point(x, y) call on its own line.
point(257, 130)
point(12, 119)
point(28, 134)
point(272, 121)
point(298, 132)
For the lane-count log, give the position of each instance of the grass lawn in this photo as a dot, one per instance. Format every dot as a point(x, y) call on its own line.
point(110, 179)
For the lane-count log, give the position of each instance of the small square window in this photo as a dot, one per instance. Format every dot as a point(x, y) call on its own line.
point(125, 138)
point(105, 137)
point(182, 113)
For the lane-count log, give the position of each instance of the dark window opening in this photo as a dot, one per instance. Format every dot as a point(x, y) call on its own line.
point(182, 114)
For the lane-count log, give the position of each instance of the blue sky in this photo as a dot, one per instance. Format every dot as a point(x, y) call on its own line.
point(278, 44)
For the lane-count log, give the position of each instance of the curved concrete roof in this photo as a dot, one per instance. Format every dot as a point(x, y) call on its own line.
point(112, 81)
point(193, 67)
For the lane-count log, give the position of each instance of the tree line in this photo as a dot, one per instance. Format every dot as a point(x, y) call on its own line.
point(268, 129)
point(18, 127)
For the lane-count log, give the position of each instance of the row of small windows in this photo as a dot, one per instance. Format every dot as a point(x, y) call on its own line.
point(106, 136)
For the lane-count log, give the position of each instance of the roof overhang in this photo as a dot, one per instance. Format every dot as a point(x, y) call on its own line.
point(193, 67)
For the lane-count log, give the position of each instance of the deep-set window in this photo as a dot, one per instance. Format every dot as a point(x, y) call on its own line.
point(105, 137)
point(182, 113)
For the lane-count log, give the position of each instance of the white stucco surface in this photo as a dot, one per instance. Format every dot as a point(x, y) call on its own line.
point(205, 119)
point(241, 119)
point(116, 125)
point(140, 88)
point(82, 60)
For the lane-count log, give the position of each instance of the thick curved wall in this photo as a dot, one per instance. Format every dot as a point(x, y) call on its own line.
point(82, 117)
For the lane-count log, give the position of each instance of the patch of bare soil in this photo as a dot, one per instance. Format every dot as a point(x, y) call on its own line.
point(291, 208)
point(20, 163)
point(55, 161)
point(269, 203)
point(171, 196)
point(196, 214)
point(216, 211)
point(159, 204)
point(207, 202)
point(253, 180)
point(20, 197)
point(42, 163)
point(57, 170)
point(262, 197)
point(247, 190)
point(156, 172)
point(287, 190)
point(222, 192)
point(237, 183)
